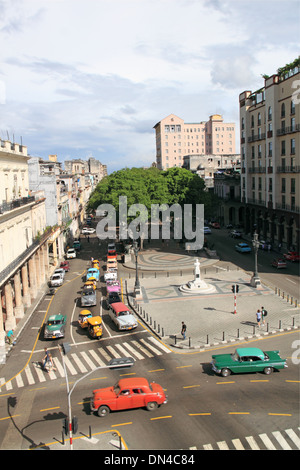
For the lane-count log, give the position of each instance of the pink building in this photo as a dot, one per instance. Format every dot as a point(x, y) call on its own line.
point(175, 139)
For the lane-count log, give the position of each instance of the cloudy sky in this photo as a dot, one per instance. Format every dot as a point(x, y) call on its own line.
point(81, 78)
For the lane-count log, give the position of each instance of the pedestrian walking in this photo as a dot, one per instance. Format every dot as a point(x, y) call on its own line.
point(47, 360)
point(183, 330)
point(10, 337)
point(88, 239)
point(264, 313)
point(258, 317)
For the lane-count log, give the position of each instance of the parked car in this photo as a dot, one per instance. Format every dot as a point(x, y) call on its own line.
point(206, 230)
point(55, 326)
point(215, 225)
point(77, 245)
point(245, 360)
point(126, 394)
point(292, 256)
point(88, 230)
point(88, 296)
point(122, 316)
point(71, 253)
point(60, 271)
point(278, 263)
point(243, 248)
point(56, 280)
point(236, 234)
point(65, 265)
point(93, 272)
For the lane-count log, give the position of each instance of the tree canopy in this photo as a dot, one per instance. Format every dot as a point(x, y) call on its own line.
point(152, 186)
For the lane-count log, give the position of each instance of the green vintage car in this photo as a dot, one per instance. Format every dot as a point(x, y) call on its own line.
point(247, 360)
point(55, 326)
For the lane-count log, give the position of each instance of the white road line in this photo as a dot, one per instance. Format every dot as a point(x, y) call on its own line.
point(88, 360)
point(122, 350)
point(252, 443)
point(159, 344)
point(156, 351)
point(222, 445)
point(29, 375)
point(59, 367)
point(140, 347)
point(267, 442)
point(279, 437)
point(113, 352)
point(293, 436)
point(103, 353)
point(208, 447)
point(237, 444)
point(70, 366)
point(39, 373)
point(133, 351)
point(78, 362)
point(96, 357)
point(72, 323)
point(19, 380)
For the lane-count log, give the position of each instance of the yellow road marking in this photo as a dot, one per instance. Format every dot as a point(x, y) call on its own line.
point(238, 413)
point(191, 386)
point(160, 417)
point(121, 424)
point(199, 414)
point(224, 383)
point(49, 409)
point(9, 417)
point(156, 370)
point(280, 414)
point(182, 367)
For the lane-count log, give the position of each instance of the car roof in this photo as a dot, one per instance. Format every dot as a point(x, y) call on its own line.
point(56, 317)
point(133, 382)
point(119, 307)
point(250, 352)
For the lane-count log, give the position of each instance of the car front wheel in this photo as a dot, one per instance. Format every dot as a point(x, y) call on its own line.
point(103, 411)
point(268, 370)
point(225, 372)
point(152, 405)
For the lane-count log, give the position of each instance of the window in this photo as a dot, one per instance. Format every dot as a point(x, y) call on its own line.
point(269, 113)
point(293, 147)
point(283, 147)
point(283, 185)
point(283, 110)
point(292, 107)
point(293, 185)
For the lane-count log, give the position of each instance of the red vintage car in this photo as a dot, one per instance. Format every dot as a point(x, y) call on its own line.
point(65, 265)
point(292, 256)
point(127, 394)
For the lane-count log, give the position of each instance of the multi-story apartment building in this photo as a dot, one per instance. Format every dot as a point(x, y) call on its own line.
point(92, 166)
point(175, 139)
point(270, 157)
point(23, 244)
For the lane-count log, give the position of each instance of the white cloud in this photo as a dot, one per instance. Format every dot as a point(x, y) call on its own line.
point(94, 76)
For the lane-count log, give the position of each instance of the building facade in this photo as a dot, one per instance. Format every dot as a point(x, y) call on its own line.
point(175, 139)
point(270, 158)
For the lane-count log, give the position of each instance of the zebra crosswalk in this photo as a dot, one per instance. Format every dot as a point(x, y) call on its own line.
point(289, 439)
point(85, 361)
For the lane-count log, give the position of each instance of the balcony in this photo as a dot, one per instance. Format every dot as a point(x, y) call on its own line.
point(9, 206)
point(288, 130)
point(255, 138)
point(288, 169)
point(288, 208)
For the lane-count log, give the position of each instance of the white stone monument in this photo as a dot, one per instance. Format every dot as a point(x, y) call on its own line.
point(197, 286)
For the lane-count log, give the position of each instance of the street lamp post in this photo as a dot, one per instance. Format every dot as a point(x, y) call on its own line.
point(255, 281)
point(137, 286)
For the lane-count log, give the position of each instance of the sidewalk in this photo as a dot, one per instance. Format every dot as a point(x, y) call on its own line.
point(210, 318)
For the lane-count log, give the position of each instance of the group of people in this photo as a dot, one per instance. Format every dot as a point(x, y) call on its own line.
point(260, 316)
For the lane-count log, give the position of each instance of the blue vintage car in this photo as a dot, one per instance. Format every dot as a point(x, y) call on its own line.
point(243, 248)
point(93, 272)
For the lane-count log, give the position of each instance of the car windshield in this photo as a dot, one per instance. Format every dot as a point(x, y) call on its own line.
point(125, 312)
point(235, 356)
point(117, 388)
